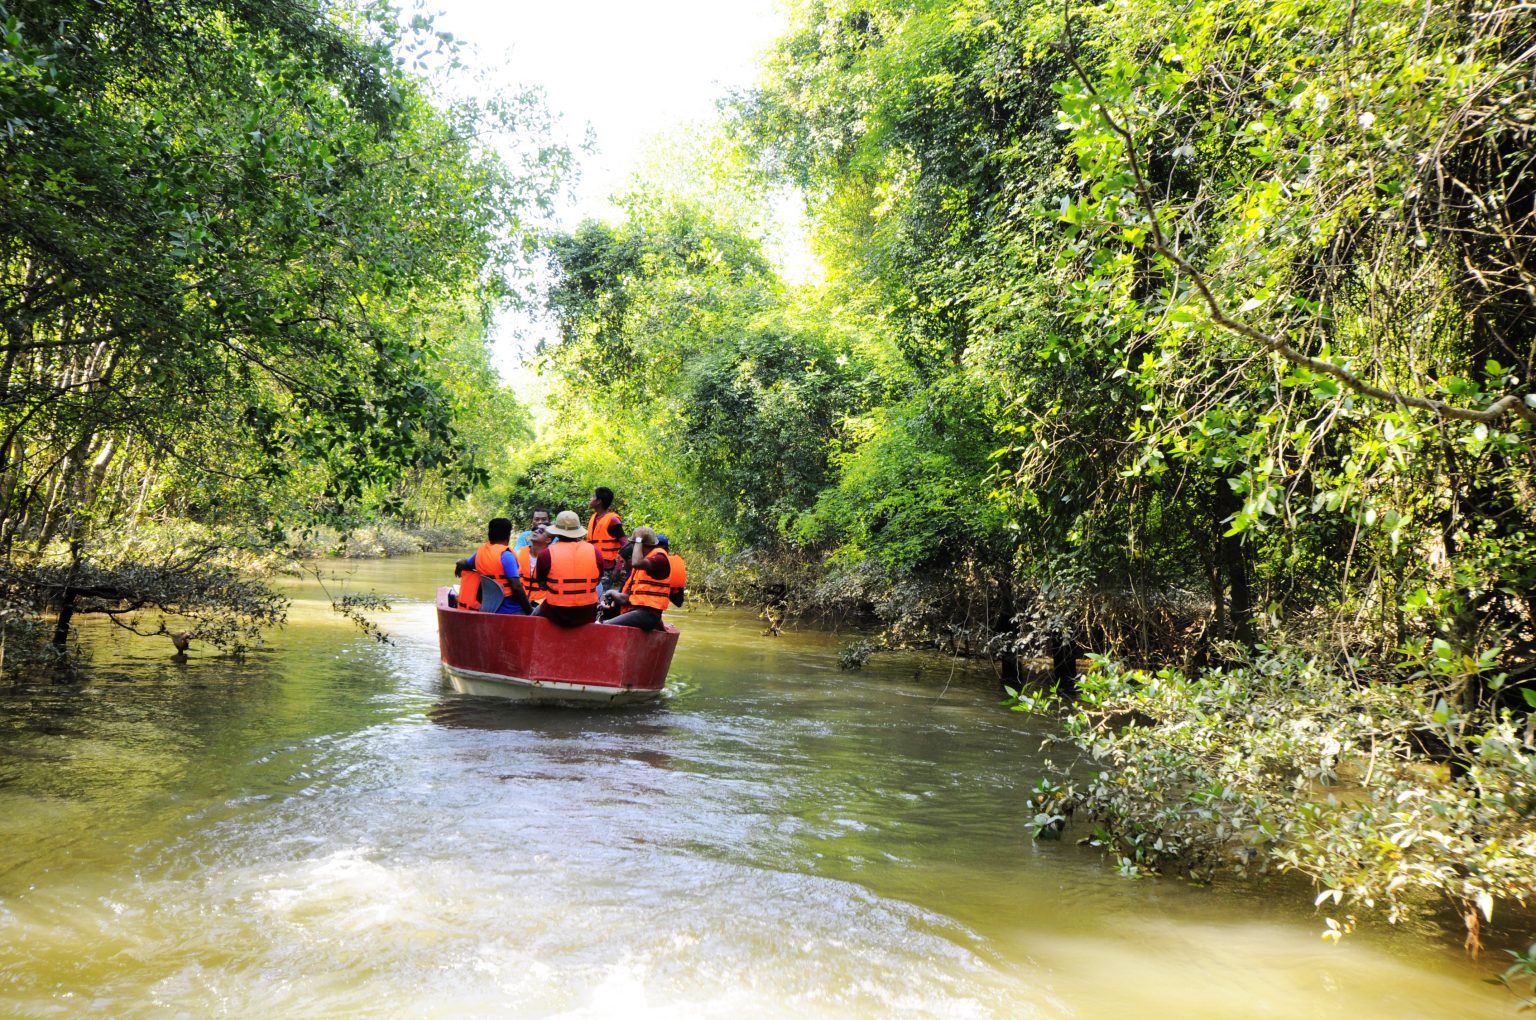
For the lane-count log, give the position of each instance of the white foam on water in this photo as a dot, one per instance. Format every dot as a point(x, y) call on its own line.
point(349, 931)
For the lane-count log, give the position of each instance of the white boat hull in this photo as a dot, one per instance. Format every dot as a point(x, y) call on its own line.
point(492, 685)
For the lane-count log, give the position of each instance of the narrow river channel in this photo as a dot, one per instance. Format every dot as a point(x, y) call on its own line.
point(326, 830)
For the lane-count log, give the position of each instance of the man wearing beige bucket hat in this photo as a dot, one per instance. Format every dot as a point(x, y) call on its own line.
point(568, 526)
point(569, 571)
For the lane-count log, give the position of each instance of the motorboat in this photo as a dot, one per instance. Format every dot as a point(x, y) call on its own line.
point(527, 658)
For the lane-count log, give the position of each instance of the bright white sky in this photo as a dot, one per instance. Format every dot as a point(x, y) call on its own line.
point(626, 69)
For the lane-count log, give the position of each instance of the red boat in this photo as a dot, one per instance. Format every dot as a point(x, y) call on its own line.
point(531, 659)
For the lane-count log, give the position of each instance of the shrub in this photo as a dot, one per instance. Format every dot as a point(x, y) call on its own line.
point(1387, 796)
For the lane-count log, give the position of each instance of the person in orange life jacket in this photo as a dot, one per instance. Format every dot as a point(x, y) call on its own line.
point(540, 520)
point(604, 529)
point(608, 608)
point(568, 570)
point(679, 574)
point(647, 589)
point(613, 581)
point(538, 541)
point(496, 561)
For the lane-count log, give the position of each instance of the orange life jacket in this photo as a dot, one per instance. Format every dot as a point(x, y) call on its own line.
point(488, 564)
point(597, 533)
point(531, 585)
point(469, 590)
point(573, 574)
point(645, 590)
point(679, 576)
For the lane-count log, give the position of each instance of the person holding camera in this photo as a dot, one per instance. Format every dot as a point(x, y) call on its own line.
point(648, 589)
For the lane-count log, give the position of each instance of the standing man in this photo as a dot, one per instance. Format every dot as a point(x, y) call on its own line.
point(568, 570)
point(648, 588)
point(495, 561)
point(540, 520)
point(604, 528)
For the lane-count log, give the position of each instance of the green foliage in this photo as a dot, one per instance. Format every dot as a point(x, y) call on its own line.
point(1051, 804)
point(856, 655)
point(234, 242)
point(1282, 762)
point(1199, 323)
point(247, 260)
point(907, 498)
point(1301, 168)
point(758, 414)
point(1524, 968)
point(688, 380)
point(1075, 222)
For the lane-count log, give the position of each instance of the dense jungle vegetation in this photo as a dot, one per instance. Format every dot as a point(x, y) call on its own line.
point(247, 263)
point(1196, 338)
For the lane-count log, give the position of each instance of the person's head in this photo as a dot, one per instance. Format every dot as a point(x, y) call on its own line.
point(540, 538)
point(602, 498)
point(540, 519)
point(567, 525)
point(499, 531)
point(661, 540)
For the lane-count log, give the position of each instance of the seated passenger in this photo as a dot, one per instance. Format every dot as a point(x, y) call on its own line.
point(540, 520)
point(493, 561)
point(648, 588)
point(679, 575)
point(568, 571)
point(538, 540)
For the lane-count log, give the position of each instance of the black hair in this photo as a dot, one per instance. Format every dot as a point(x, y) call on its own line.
point(499, 530)
point(604, 495)
point(541, 510)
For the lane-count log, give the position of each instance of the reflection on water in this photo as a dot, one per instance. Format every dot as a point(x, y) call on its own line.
point(326, 829)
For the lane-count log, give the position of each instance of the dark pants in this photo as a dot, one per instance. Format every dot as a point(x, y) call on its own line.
point(641, 616)
point(567, 616)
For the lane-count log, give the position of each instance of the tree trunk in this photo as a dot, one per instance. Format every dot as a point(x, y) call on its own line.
point(66, 613)
point(1232, 556)
point(1064, 663)
point(67, 600)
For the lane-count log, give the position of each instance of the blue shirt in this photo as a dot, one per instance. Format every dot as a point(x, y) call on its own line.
point(523, 538)
point(509, 569)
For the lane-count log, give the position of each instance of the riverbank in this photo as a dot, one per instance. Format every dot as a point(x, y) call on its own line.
point(954, 614)
point(386, 540)
point(182, 581)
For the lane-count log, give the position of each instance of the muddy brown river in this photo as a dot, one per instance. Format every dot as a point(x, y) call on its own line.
point(326, 830)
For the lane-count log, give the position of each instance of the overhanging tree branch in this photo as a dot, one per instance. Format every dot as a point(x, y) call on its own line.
point(1524, 406)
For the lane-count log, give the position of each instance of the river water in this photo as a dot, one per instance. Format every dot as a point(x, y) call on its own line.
point(326, 830)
